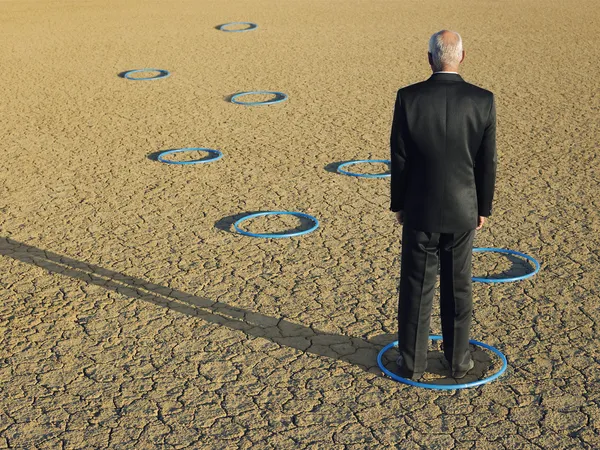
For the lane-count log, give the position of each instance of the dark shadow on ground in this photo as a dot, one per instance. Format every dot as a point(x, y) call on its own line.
point(122, 74)
point(438, 371)
point(226, 223)
point(333, 167)
point(248, 27)
point(154, 155)
point(358, 351)
point(518, 268)
point(279, 330)
point(228, 98)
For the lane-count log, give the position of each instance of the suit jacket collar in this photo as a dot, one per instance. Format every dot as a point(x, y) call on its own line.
point(446, 77)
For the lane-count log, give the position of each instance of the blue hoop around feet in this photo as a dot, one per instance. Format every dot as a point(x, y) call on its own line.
point(531, 259)
point(217, 155)
point(251, 26)
point(279, 97)
point(444, 387)
point(236, 225)
point(161, 74)
point(364, 175)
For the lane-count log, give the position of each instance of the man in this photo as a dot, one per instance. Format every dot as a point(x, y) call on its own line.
point(443, 159)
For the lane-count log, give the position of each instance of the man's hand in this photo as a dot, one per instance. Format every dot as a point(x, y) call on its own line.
point(400, 217)
point(480, 223)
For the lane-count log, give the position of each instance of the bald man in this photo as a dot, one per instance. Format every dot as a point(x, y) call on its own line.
point(443, 158)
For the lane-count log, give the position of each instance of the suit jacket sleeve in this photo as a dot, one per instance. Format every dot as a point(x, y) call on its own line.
point(485, 165)
point(398, 158)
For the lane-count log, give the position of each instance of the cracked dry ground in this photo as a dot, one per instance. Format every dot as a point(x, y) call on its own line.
point(132, 317)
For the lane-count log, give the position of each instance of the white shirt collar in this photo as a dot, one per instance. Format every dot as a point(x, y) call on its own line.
point(444, 71)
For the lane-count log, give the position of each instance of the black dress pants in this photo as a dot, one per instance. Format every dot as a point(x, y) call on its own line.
point(421, 252)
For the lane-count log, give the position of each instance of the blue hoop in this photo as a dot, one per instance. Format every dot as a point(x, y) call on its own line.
point(444, 387)
point(531, 259)
point(279, 97)
point(251, 26)
point(364, 175)
point(217, 155)
point(236, 225)
point(162, 74)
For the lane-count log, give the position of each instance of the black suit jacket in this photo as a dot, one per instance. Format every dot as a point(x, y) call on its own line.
point(443, 147)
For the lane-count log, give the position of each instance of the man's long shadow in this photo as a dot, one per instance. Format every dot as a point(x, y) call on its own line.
point(354, 350)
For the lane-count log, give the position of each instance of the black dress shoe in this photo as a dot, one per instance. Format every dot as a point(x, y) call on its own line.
point(405, 373)
point(462, 373)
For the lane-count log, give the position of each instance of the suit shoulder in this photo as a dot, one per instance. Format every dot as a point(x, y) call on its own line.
point(479, 91)
point(411, 88)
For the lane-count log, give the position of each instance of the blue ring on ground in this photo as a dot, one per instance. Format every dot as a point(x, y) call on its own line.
point(251, 26)
point(364, 175)
point(444, 387)
point(162, 74)
point(217, 155)
point(279, 97)
point(531, 259)
point(236, 225)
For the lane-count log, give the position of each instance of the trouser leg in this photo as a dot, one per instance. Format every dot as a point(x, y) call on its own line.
point(456, 301)
point(417, 283)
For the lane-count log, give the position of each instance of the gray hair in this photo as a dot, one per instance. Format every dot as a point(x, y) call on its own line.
point(445, 52)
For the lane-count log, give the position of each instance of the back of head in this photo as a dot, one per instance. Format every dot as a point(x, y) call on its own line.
point(445, 48)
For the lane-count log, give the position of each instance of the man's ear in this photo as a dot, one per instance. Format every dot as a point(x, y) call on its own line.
point(430, 58)
point(463, 57)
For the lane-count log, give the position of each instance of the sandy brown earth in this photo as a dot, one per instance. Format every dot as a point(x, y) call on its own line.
point(132, 317)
